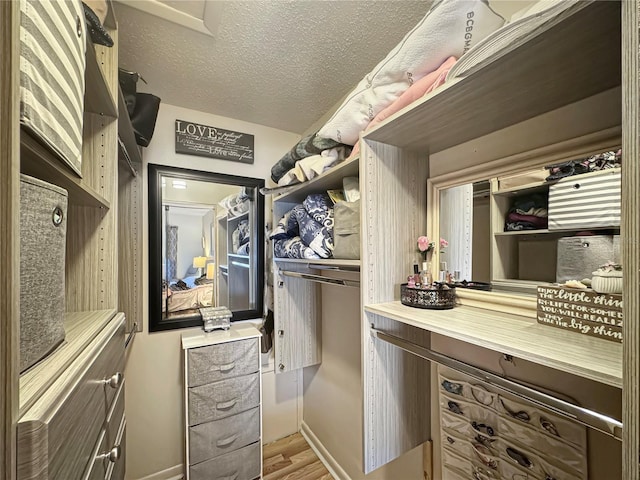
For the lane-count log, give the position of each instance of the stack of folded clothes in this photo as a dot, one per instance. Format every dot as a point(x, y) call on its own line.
point(528, 212)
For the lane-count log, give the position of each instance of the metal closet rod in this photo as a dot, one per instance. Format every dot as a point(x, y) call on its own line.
point(338, 268)
point(321, 278)
point(607, 425)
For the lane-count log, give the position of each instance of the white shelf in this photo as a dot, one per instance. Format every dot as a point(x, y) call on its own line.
point(239, 217)
point(329, 180)
point(581, 355)
point(533, 78)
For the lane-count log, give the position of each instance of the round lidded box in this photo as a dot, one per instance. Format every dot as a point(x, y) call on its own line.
point(607, 280)
point(439, 298)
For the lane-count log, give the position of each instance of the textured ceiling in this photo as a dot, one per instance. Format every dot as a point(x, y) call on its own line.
point(277, 63)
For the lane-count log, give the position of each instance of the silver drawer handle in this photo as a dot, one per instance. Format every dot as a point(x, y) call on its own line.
point(226, 405)
point(112, 455)
point(115, 380)
point(227, 441)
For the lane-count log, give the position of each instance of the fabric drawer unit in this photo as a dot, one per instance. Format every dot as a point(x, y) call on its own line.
point(52, 82)
point(591, 200)
point(43, 225)
point(211, 439)
point(225, 360)
point(242, 464)
point(579, 256)
point(224, 398)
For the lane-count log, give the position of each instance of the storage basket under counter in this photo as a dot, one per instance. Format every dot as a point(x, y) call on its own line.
point(436, 297)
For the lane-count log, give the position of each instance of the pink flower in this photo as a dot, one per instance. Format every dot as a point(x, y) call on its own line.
point(424, 244)
point(443, 243)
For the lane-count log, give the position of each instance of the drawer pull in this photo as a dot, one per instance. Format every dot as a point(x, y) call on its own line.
point(115, 380)
point(112, 455)
point(227, 367)
point(227, 441)
point(226, 405)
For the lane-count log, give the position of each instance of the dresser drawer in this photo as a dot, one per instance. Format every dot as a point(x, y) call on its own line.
point(211, 439)
point(225, 360)
point(242, 464)
point(223, 399)
point(57, 435)
point(109, 438)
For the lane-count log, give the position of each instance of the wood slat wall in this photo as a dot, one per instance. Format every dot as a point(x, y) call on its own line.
point(9, 234)
point(630, 234)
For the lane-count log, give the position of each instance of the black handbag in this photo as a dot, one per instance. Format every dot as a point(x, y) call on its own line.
point(141, 107)
point(144, 117)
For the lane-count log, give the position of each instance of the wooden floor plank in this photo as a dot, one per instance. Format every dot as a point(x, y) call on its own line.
point(291, 458)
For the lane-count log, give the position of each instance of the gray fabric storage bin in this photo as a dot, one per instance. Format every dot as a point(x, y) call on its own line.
point(242, 464)
point(43, 226)
point(579, 256)
point(52, 65)
point(346, 230)
point(225, 360)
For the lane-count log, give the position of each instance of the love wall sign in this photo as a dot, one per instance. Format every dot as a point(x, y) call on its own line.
point(205, 141)
point(582, 311)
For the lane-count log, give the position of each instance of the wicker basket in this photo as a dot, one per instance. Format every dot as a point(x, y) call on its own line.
point(434, 298)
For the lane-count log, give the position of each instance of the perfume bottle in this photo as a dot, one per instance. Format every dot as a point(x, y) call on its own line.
point(416, 275)
point(425, 276)
point(442, 278)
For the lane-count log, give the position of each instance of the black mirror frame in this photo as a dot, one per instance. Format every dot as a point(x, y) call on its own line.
point(155, 174)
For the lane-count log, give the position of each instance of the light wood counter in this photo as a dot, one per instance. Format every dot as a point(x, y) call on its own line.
point(522, 337)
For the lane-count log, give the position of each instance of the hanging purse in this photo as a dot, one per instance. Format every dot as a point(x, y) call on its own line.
point(141, 107)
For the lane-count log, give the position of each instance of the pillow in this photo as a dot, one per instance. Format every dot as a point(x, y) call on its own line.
point(450, 28)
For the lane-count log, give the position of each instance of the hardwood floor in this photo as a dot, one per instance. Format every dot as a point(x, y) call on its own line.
point(291, 458)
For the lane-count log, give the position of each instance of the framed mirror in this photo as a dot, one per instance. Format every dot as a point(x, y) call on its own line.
point(206, 246)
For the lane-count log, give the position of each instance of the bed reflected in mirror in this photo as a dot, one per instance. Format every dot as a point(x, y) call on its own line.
point(205, 246)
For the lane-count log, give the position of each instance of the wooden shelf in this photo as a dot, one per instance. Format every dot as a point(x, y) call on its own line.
point(529, 188)
point(239, 217)
point(125, 132)
point(80, 329)
point(37, 161)
point(328, 262)
point(545, 231)
point(570, 61)
point(329, 180)
point(581, 355)
point(97, 96)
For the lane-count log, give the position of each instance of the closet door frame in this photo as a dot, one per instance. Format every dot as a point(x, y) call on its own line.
point(9, 234)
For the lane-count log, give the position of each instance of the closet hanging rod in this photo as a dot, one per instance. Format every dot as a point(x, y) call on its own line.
point(243, 265)
point(321, 278)
point(338, 268)
point(131, 335)
point(607, 425)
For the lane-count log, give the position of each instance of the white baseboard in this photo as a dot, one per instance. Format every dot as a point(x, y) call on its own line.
point(173, 473)
point(323, 454)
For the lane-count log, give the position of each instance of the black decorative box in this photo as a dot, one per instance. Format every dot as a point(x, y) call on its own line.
point(440, 297)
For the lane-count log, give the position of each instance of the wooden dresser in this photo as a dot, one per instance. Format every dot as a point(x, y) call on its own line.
point(223, 412)
point(72, 420)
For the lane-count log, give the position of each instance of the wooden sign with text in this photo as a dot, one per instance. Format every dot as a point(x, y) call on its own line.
point(205, 141)
point(582, 311)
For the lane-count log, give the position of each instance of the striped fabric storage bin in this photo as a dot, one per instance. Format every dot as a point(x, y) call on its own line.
point(52, 64)
point(585, 201)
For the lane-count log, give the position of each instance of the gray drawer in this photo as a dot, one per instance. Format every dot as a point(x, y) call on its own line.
point(223, 399)
point(224, 360)
point(63, 434)
point(211, 439)
point(242, 464)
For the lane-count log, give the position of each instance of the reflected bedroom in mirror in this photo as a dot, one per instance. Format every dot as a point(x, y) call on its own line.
point(206, 246)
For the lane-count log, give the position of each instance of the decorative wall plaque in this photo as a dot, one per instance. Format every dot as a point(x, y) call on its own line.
point(205, 141)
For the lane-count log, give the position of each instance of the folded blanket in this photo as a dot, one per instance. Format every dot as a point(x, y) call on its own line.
point(308, 146)
point(312, 223)
point(538, 222)
point(293, 248)
point(418, 90)
point(310, 167)
point(450, 28)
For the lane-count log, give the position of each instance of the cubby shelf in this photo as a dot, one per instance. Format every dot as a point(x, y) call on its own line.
point(80, 329)
point(331, 179)
point(98, 98)
point(38, 161)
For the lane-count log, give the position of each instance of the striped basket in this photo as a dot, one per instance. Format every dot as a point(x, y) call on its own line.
point(52, 65)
